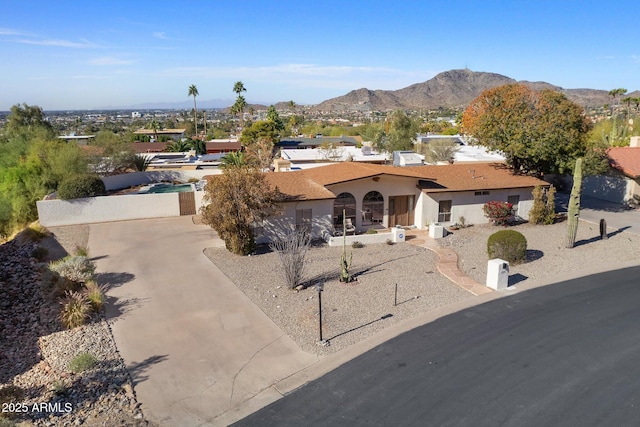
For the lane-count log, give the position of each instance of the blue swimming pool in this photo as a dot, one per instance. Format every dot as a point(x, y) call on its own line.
point(169, 188)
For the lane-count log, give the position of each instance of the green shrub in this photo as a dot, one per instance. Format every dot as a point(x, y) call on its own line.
point(74, 267)
point(543, 210)
point(80, 186)
point(82, 362)
point(75, 309)
point(371, 231)
point(10, 394)
point(508, 245)
point(357, 245)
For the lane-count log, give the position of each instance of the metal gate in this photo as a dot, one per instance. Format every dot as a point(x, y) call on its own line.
point(187, 201)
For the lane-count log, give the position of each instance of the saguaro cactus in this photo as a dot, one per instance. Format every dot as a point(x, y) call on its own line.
point(345, 264)
point(574, 206)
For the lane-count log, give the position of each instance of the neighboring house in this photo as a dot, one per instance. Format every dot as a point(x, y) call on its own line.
point(78, 139)
point(175, 134)
point(303, 143)
point(623, 186)
point(301, 158)
point(217, 146)
point(382, 196)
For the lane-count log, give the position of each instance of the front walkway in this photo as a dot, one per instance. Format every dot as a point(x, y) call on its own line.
point(447, 262)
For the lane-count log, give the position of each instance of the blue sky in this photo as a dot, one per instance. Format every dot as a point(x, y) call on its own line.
point(86, 54)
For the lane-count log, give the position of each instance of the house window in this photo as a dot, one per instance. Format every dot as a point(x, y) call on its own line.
point(482, 193)
point(303, 219)
point(372, 208)
point(344, 203)
point(444, 211)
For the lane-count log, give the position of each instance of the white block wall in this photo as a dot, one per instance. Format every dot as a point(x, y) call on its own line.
point(108, 208)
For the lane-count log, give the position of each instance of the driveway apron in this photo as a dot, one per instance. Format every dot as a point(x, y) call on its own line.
point(195, 345)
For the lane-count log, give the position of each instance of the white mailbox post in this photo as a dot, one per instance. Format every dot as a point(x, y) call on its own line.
point(497, 274)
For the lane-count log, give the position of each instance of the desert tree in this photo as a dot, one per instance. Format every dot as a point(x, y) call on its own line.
point(538, 132)
point(292, 250)
point(440, 150)
point(260, 153)
point(235, 201)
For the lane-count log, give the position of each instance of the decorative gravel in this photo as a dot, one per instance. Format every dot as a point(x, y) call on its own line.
point(350, 312)
point(547, 258)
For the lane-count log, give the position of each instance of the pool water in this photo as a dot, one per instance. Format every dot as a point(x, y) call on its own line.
point(169, 188)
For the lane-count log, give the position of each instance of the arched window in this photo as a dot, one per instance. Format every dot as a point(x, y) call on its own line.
point(373, 208)
point(345, 202)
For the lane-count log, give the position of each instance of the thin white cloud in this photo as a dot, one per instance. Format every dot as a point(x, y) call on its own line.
point(110, 60)
point(635, 59)
point(82, 44)
point(12, 32)
point(160, 35)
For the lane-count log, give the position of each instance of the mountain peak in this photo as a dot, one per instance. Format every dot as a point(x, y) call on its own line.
point(453, 88)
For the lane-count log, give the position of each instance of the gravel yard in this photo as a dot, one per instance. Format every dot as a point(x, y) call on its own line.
point(547, 258)
point(351, 312)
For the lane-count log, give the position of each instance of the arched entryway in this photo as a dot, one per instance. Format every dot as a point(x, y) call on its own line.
point(345, 202)
point(372, 208)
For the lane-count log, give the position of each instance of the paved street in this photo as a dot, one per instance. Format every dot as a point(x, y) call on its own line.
point(559, 355)
point(196, 346)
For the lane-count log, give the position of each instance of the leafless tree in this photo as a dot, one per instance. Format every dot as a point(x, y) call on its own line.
point(292, 249)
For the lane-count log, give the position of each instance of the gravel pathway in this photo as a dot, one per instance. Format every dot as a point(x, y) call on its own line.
point(351, 312)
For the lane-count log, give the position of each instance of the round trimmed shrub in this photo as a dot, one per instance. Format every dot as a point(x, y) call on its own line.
point(80, 186)
point(508, 245)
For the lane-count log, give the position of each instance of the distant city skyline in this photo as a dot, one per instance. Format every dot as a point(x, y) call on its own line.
point(71, 55)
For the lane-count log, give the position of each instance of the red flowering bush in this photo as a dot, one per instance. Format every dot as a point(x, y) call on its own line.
point(498, 213)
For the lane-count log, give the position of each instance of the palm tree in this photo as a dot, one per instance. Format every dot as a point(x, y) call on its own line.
point(235, 159)
point(615, 93)
point(238, 88)
point(193, 91)
point(155, 126)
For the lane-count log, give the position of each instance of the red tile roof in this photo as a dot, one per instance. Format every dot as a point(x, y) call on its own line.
point(625, 159)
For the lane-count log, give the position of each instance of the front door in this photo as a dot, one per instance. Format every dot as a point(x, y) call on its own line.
point(401, 210)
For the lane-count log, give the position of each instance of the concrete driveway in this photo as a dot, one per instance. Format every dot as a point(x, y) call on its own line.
point(618, 217)
point(195, 345)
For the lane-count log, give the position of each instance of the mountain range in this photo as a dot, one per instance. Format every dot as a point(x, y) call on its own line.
point(454, 88)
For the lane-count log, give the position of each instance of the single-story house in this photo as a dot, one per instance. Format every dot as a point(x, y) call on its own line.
point(382, 196)
point(223, 146)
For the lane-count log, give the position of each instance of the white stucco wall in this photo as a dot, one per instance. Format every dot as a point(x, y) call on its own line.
point(108, 208)
point(276, 226)
point(466, 204)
